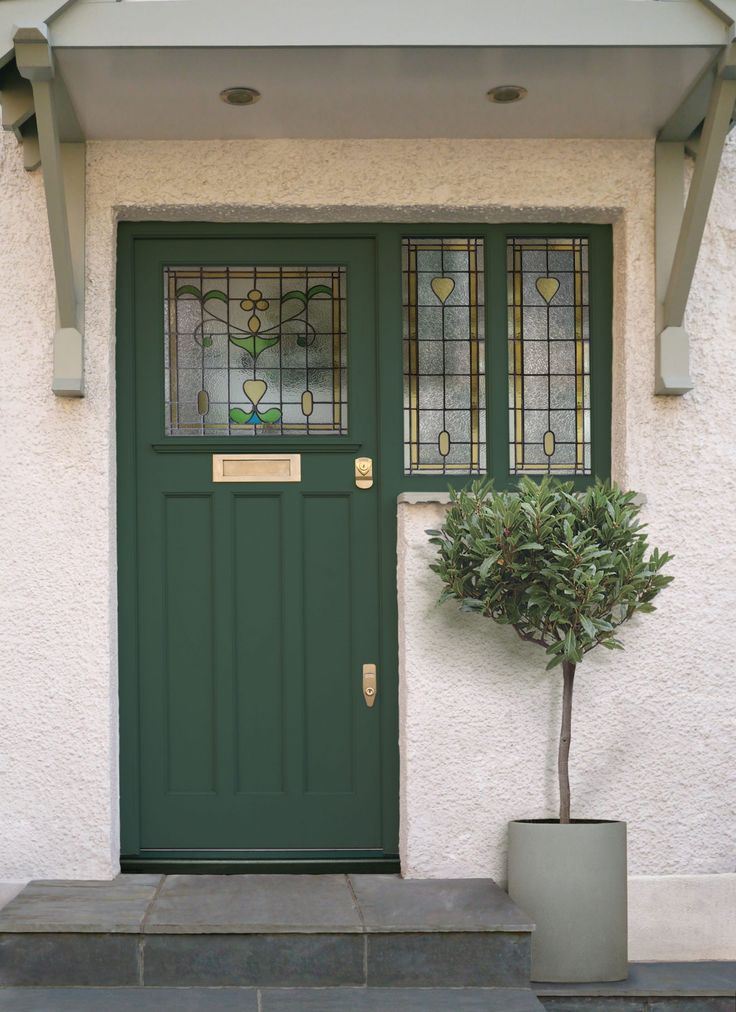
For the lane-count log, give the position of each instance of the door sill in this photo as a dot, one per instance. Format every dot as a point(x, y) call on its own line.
point(386, 865)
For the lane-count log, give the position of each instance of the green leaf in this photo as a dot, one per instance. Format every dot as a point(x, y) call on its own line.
point(318, 290)
point(531, 545)
point(238, 416)
point(588, 626)
point(188, 290)
point(214, 294)
point(294, 295)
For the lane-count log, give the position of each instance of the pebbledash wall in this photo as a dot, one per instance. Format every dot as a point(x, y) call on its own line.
point(654, 728)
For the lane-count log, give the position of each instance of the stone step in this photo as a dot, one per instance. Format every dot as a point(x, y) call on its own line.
point(265, 931)
point(236, 999)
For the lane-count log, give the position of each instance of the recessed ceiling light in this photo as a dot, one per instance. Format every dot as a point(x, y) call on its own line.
point(240, 96)
point(505, 93)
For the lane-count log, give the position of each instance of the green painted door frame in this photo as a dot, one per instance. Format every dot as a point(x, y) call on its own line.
point(386, 245)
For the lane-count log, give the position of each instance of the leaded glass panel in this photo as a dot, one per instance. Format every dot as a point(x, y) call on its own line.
point(444, 388)
point(549, 356)
point(255, 351)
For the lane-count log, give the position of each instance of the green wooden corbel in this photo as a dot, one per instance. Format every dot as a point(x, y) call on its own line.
point(63, 167)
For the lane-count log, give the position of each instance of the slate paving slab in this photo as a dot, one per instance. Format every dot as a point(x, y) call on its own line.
point(77, 906)
point(671, 980)
point(128, 999)
point(244, 904)
point(265, 960)
point(390, 903)
point(610, 1004)
point(74, 959)
point(399, 1000)
point(448, 959)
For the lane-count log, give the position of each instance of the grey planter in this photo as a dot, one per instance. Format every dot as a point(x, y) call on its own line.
point(571, 880)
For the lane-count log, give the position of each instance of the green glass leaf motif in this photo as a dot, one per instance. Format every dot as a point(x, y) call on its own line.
point(318, 290)
point(196, 293)
point(254, 343)
point(268, 417)
point(310, 294)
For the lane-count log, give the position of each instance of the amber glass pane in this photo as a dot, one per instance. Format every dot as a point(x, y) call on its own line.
point(549, 356)
point(444, 389)
point(255, 351)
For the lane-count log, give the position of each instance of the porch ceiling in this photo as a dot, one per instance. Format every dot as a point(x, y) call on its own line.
point(153, 69)
point(323, 92)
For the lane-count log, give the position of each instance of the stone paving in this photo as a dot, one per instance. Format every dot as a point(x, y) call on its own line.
point(279, 1000)
point(265, 931)
point(303, 943)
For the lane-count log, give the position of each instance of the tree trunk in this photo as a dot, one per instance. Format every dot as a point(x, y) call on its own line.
point(568, 672)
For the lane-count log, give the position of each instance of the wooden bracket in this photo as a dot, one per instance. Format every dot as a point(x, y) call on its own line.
point(63, 167)
point(679, 232)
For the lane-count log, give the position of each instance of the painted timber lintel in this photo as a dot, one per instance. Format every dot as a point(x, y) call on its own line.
point(63, 167)
point(679, 232)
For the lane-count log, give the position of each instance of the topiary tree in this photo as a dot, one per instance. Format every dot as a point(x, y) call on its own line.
point(564, 568)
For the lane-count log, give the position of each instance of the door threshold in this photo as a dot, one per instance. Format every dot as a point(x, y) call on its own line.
point(251, 866)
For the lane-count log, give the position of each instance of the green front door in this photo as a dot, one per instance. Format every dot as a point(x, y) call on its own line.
point(252, 604)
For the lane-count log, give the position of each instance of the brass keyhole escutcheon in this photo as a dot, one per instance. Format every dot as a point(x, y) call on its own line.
point(363, 472)
point(370, 684)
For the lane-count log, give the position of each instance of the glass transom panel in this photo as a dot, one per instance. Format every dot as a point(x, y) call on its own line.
point(549, 356)
point(444, 385)
point(258, 351)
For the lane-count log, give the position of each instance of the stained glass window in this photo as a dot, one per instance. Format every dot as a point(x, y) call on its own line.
point(255, 351)
point(444, 388)
point(549, 356)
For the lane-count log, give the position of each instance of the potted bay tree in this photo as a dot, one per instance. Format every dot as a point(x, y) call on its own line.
point(565, 570)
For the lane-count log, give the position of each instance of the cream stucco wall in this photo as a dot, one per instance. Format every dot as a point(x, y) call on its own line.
point(654, 727)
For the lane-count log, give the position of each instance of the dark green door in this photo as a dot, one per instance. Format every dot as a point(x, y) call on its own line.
point(256, 602)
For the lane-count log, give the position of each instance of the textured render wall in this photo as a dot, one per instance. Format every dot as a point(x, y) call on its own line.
point(58, 809)
point(478, 716)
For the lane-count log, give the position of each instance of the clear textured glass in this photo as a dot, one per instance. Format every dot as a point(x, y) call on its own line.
point(243, 345)
point(549, 360)
point(444, 339)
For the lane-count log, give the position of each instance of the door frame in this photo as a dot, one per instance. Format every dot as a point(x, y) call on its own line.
point(392, 480)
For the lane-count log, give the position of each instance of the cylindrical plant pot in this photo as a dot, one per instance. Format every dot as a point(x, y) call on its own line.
point(571, 880)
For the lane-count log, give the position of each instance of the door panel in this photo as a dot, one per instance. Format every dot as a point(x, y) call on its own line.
point(257, 604)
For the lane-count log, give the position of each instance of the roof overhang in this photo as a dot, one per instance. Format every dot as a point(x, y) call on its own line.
point(344, 68)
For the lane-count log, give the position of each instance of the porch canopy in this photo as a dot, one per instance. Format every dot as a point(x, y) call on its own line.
point(154, 69)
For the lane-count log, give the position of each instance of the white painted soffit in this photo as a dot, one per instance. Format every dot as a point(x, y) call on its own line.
point(153, 69)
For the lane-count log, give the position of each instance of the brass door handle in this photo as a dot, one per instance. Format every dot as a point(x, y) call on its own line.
point(363, 472)
point(370, 684)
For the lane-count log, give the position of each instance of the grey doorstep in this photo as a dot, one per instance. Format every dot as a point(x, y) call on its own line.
point(265, 931)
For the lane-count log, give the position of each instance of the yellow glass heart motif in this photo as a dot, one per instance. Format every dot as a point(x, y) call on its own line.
point(254, 390)
point(547, 288)
point(442, 288)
